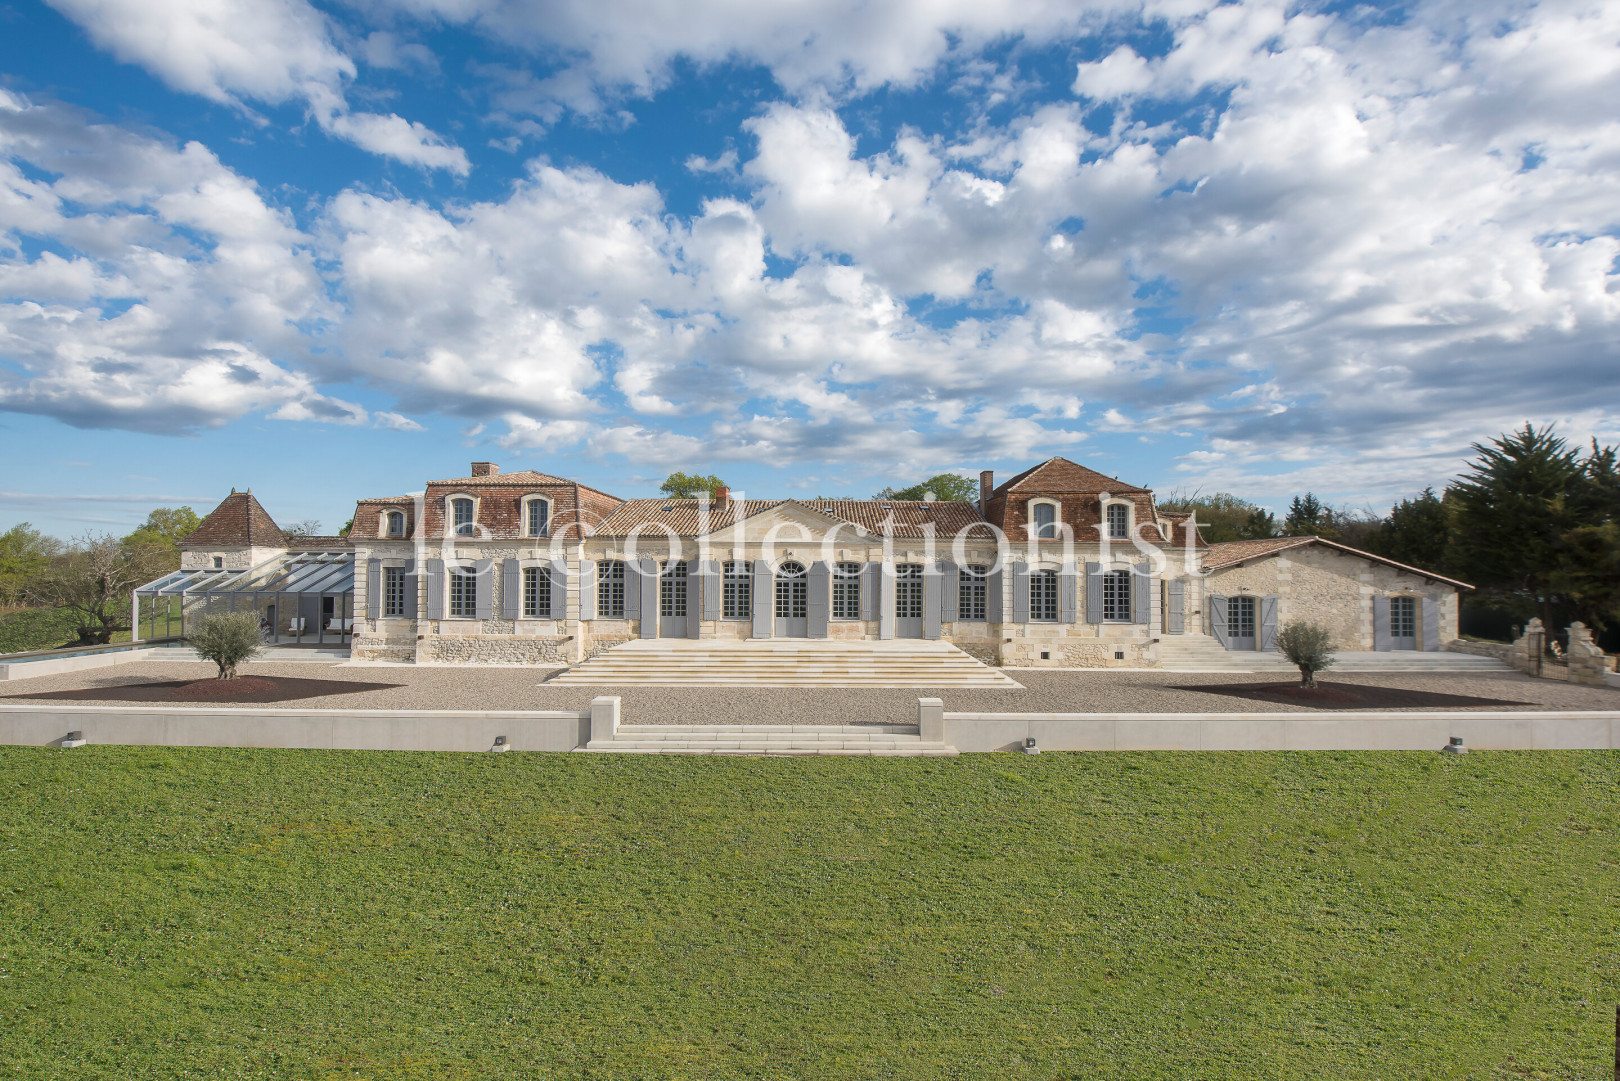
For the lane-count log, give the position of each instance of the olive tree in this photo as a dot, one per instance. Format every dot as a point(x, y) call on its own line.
point(228, 639)
point(1309, 646)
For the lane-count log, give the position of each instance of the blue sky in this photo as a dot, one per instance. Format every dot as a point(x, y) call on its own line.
point(332, 250)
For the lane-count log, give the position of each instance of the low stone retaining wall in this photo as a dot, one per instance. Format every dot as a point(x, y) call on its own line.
point(55, 666)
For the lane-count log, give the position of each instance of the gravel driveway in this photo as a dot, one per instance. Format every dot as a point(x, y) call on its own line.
point(1044, 692)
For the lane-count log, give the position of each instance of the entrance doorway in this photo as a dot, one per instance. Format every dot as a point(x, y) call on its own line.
point(792, 601)
point(1240, 612)
point(1403, 623)
point(672, 600)
point(908, 600)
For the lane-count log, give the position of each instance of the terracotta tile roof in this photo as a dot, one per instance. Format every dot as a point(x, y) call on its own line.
point(1231, 553)
point(681, 515)
point(299, 544)
point(1062, 475)
point(239, 520)
point(522, 476)
point(397, 499)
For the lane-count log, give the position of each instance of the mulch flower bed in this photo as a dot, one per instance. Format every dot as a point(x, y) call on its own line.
point(1348, 696)
point(240, 689)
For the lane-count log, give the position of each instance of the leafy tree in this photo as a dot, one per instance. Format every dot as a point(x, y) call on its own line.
point(1417, 532)
point(94, 578)
point(1309, 517)
point(1223, 516)
point(689, 485)
point(24, 553)
point(228, 639)
point(348, 527)
point(1309, 647)
point(160, 535)
point(949, 486)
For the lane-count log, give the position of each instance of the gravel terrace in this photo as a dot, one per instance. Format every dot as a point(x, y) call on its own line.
point(1045, 692)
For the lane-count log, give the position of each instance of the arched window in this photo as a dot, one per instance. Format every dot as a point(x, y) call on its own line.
point(461, 510)
point(1119, 520)
point(537, 518)
point(396, 523)
point(1044, 516)
point(792, 591)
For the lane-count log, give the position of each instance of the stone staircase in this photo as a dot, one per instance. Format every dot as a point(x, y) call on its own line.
point(889, 740)
point(1201, 653)
point(784, 663)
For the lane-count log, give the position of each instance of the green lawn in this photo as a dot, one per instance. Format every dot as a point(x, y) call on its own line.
point(307, 914)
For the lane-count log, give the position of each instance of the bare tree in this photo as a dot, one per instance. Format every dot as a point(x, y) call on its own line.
point(94, 578)
point(309, 527)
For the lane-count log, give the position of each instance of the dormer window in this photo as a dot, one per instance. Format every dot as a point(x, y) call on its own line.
point(1119, 521)
point(462, 515)
point(396, 523)
point(1044, 517)
point(537, 520)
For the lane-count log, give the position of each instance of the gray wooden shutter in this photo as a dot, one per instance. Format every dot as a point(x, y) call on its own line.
point(559, 589)
point(587, 588)
point(886, 600)
point(646, 583)
point(1429, 610)
point(1020, 583)
point(1381, 635)
point(764, 599)
point(994, 601)
point(1268, 624)
point(711, 589)
point(632, 591)
point(1141, 593)
point(1094, 593)
point(374, 576)
point(1067, 602)
point(871, 587)
point(950, 591)
point(695, 587)
point(435, 589)
point(411, 586)
point(818, 601)
point(931, 592)
point(484, 589)
point(1175, 615)
point(511, 589)
point(1217, 620)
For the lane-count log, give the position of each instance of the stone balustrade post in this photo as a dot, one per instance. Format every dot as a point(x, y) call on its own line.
point(931, 720)
point(604, 718)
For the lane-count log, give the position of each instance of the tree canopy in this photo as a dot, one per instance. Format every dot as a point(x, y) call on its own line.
point(689, 485)
point(24, 553)
point(160, 535)
point(950, 486)
point(1223, 516)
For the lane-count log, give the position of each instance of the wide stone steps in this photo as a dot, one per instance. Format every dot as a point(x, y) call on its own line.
point(780, 664)
point(889, 741)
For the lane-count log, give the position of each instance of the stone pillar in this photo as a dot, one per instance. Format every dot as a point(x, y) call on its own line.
point(604, 718)
point(931, 720)
point(1588, 664)
point(1527, 650)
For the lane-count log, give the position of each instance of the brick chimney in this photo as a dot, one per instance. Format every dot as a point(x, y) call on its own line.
point(987, 484)
point(485, 469)
point(722, 495)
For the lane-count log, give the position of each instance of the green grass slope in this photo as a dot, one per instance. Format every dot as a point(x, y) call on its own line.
point(304, 914)
point(38, 628)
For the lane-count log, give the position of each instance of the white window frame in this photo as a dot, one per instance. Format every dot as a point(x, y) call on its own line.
point(604, 588)
point(1127, 598)
point(542, 592)
point(1130, 518)
point(528, 502)
point(450, 526)
point(383, 532)
point(737, 589)
point(973, 593)
point(385, 601)
point(1044, 574)
point(846, 591)
point(469, 573)
point(1034, 530)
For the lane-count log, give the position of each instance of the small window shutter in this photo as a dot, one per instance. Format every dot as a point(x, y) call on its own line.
point(931, 592)
point(886, 601)
point(1067, 602)
point(587, 588)
point(764, 599)
point(1141, 593)
point(1381, 641)
point(646, 583)
point(950, 590)
point(435, 589)
point(1429, 612)
point(411, 586)
point(994, 602)
point(695, 587)
point(1217, 621)
point(374, 577)
point(711, 589)
point(1020, 583)
point(871, 589)
point(559, 589)
point(1268, 624)
point(1175, 616)
point(1094, 593)
point(818, 599)
point(484, 589)
point(511, 589)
